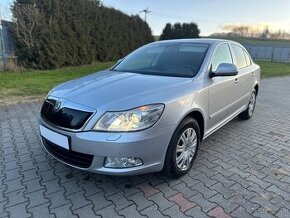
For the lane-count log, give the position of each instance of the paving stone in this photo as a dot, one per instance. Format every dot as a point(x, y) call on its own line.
point(218, 212)
point(78, 200)
point(262, 213)
point(227, 206)
point(250, 206)
point(57, 199)
point(90, 188)
point(227, 193)
point(108, 212)
point(14, 185)
point(166, 190)
point(182, 202)
point(15, 198)
point(131, 211)
point(161, 201)
point(52, 186)
point(240, 212)
point(174, 211)
point(148, 189)
point(153, 179)
point(41, 211)
point(87, 212)
point(11, 165)
point(47, 175)
point(3, 211)
point(189, 180)
point(260, 182)
point(186, 191)
point(283, 212)
point(205, 179)
point(33, 185)
point(36, 198)
point(140, 201)
point(119, 201)
point(201, 188)
point(109, 188)
point(64, 211)
point(196, 212)
point(128, 188)
point(99, 201)
point(248, 194)
point(71, 187)
point(204, 203)
point(276, 190)
point(18, 210)
point(12, 174)
point(153, 211)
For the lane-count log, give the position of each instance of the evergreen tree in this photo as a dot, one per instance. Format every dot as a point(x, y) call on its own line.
point(180, 31)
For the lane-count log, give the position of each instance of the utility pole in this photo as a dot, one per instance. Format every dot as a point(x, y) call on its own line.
point(146, 11)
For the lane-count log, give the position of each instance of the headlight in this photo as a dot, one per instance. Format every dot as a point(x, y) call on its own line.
point(132, 120)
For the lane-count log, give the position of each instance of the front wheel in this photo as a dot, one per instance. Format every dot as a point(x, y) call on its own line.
point(248, 113)
point(182, 148)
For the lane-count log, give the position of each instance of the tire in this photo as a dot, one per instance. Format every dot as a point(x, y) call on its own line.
point(248, 113)
point(173, 167)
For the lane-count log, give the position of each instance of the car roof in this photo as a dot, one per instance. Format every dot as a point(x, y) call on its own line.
point(196, 40)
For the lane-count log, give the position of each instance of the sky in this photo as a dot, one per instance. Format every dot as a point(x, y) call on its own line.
point(210, 15)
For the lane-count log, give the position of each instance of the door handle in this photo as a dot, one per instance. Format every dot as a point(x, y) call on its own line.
point(236, 80)
point(253, 74)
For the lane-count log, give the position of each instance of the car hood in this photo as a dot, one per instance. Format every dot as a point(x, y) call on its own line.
point(118, 90)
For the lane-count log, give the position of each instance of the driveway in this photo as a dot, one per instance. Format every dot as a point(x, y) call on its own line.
point(242, 170)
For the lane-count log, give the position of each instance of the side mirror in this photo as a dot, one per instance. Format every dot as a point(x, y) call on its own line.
point(225, 70)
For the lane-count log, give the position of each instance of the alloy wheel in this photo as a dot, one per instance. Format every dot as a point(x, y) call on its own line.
point(252, 104)
point(186, 148)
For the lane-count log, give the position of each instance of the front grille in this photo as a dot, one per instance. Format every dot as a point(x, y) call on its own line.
point(65, 117)
point(71, 157)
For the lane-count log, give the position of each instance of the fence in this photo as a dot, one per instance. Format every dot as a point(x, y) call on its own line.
point(269, 53)
point(7, 57)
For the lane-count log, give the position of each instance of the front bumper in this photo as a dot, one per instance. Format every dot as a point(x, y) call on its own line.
point(149, 145)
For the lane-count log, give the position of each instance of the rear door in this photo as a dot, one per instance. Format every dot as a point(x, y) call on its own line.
point(244, 78)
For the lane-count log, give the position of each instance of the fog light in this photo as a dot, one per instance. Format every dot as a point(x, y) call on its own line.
point(122, 162)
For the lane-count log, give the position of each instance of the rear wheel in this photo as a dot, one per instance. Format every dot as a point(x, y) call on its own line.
point(182, 148)
point(248, 113)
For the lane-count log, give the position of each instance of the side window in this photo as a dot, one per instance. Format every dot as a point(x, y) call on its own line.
point(221, 55)
point(240, 56)
point(248, 59)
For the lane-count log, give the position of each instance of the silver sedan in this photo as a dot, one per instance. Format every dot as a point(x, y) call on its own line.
point(151, 110)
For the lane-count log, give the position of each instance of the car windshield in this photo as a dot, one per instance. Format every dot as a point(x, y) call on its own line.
point(165, 59)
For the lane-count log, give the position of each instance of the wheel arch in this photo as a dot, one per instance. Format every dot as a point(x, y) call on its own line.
point(199, 117)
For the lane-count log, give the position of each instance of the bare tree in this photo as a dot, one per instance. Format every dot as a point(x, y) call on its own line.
point(26, 26)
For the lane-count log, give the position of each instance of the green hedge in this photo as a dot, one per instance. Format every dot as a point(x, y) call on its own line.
point(56, 33)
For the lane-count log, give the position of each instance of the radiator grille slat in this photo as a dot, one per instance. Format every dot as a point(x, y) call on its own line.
point(71, 157)
point(65, 117)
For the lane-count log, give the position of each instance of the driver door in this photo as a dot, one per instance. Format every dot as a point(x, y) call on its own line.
point(222, 90)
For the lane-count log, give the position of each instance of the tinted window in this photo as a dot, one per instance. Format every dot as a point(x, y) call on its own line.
point(248, 60)
point(166, 59)
point(240, 56)
point(222, 55)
